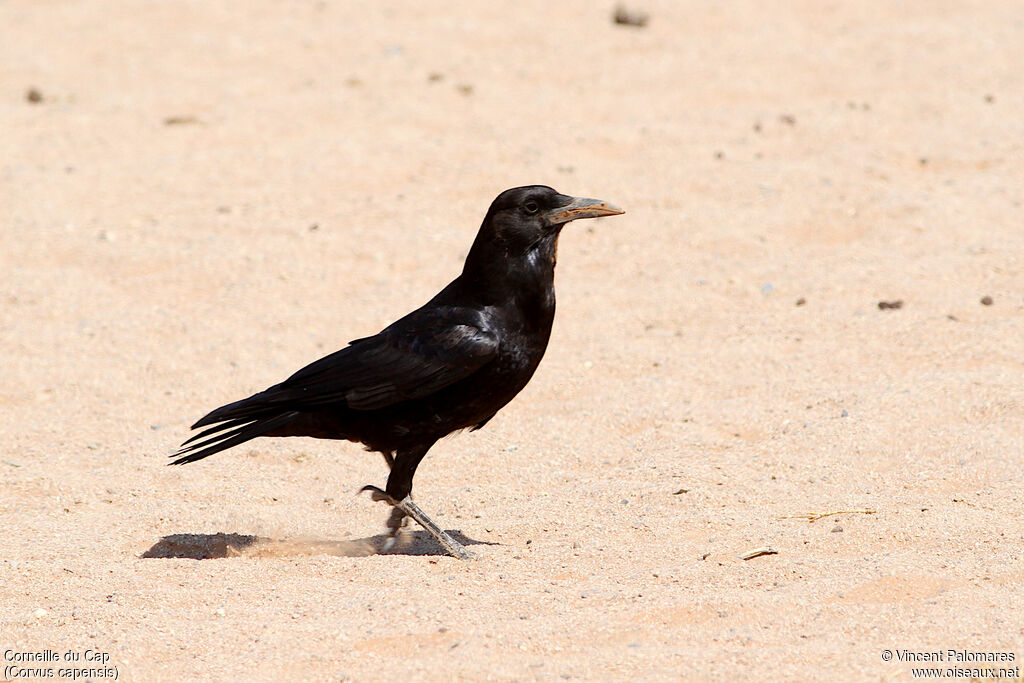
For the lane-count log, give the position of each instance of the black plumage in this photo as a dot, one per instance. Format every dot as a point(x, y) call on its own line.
point(449, 365)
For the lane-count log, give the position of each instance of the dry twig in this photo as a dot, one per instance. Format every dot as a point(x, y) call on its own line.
point(815, 516)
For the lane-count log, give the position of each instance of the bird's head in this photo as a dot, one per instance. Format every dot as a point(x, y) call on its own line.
point(524, 218)
point(516, 248)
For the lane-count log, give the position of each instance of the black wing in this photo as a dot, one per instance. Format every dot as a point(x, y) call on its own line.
point(416, 356)
point(413, 358)
point(388, 368)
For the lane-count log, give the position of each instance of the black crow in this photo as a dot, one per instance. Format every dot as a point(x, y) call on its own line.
point(449, 365)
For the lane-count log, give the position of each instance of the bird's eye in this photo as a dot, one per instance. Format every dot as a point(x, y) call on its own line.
point(531, 207)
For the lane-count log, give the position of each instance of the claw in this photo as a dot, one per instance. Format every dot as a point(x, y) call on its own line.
point(377, 494)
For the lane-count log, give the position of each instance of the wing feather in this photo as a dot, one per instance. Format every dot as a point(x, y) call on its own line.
point(388, 368)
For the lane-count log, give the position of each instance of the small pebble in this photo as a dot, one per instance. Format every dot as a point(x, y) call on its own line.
point(986, 300)
point(837, 529)
point(40, 613)
point(220, 612)
point(180, 120)
point(627, 17)
point(801, 301)
point(33, 96)
point(890, 305)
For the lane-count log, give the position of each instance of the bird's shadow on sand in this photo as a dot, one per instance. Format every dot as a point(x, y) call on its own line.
point(217, 546)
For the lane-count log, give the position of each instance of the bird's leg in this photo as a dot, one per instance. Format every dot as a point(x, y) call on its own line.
point(406, 508)
point(450, 545)
point(396, 520)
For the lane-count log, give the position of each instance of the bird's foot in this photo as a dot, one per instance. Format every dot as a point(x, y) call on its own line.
point(405, 508)
point(396, 520)
point(378, 494)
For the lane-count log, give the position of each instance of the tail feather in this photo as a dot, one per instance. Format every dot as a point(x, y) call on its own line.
point(224, 434)
point(229, 434)
point(255, 407)
point(217, 428)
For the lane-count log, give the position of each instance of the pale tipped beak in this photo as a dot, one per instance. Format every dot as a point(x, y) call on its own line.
point(581, 207)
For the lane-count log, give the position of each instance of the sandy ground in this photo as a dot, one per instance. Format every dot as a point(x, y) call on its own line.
point(209, 195)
